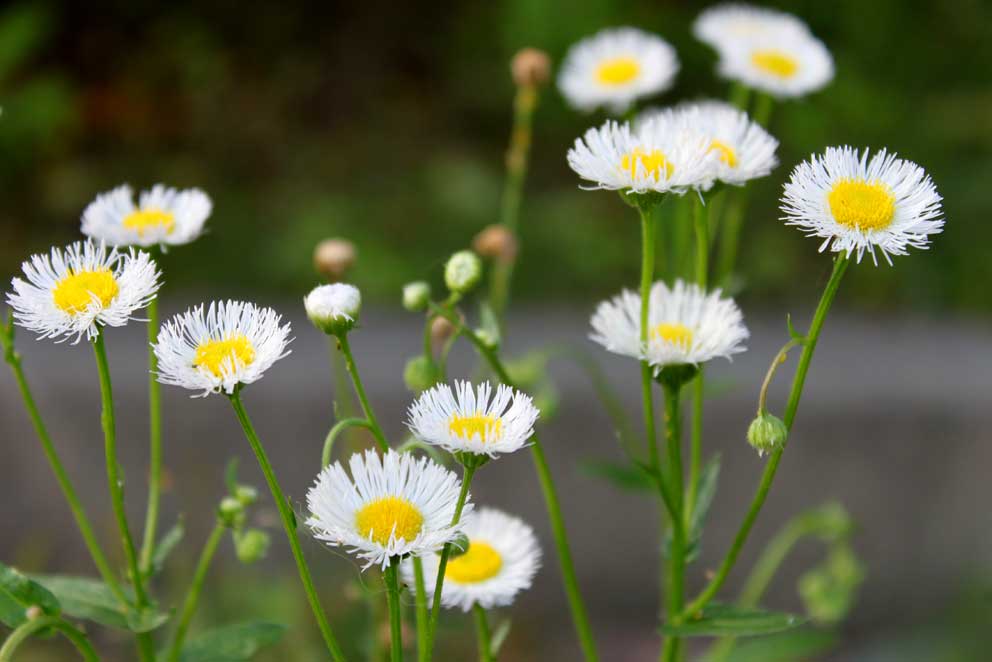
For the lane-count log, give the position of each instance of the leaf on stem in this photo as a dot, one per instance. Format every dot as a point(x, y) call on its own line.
point(499, 637)
point(627, 477)
point(232, 643)
point(91, 599)
point(165, 546)
point(719, 620)
point(18, 593)
point(805, 644)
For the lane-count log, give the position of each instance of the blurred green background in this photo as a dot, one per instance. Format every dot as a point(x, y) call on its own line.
point(386, 122)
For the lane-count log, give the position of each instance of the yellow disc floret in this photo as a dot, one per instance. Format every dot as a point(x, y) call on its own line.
point(142, 220)
point(379, 520)
point(485, 427)
point(618, 71)
point(675, 334)
point(77, 291)
point(862, 205)
point(479, 563)
point(655, 163)
point(215, 355)
point(726, 152)
point(775, 63)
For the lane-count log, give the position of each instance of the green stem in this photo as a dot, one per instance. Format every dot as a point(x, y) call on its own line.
point(763, 104)
point(740, 95)
point(360, 392)
point(193, 595)
point(423, 618)
point(155, 443)
point(701, 223)
point(676, 562)
point(730, 239)
point(65, 484)
point(24, 631)
point(482, 633)
point(336, 430)
point(809, 346)
point(395, 618)
point(289, 525)
point(647, 278)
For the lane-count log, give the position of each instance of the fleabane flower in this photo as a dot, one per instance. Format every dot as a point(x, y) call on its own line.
point(663, 155)
point(857, 204)
point(217, 348)
point(473, 419)
point(334, 308)
point(74, 291)
point(787, 64)
point(392, 505)
point(615, 67)
point(502, 558)
point(728, 25)
point(686, 325)
point(163, 216)
point(744, 150)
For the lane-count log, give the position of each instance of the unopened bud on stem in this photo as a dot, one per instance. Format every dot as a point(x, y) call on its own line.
point(496, 242)
point(767, 433)
point(530, 67)
point(334, 308)
point(332, 258)
point(416, 296)
point(462, 272)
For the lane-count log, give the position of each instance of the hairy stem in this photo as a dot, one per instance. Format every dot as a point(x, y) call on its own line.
point(395, 617)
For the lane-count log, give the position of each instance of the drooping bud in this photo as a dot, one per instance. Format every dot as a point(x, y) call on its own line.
point(416, 296)
point(334, 308)
point(496, 242)
point(251, 545)
point(462, 272)
point(420, 373)
point(530, 67)
point(332, 258)
point(767, 433)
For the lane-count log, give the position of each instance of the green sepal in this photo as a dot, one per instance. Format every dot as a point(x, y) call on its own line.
point(676, 376)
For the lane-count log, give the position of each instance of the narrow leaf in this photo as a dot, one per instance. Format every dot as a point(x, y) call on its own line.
point(624, 476)
point(232, 643)
point(499, 637)
point(804, 644)
point(24, 592)
point(92, 600)
point(730, 621)
point(166, 545)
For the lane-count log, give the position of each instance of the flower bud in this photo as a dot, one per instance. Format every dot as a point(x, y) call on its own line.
point(441, 330)
point(332, 258)
point(420, 374)
point(334, 308)
point(767, 433)
point(530, 67)
point(231, 512)
point(416, 296)
point(246, 494)
point(251, 545)
point(462, 272)
point(496, 242)
point(458, 546)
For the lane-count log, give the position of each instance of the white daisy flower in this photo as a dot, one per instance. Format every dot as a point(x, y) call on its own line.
point(214, 351)
point(786, 64)
point(857, 204)
point(502, 558)
point(392, 505)
point(615, 67)
point(163, 216)
point(663, 155)
point(76, 290)
point(744, 150)
point(333, 308)
point(728, 25)
point(686, 325)
point(469, 420)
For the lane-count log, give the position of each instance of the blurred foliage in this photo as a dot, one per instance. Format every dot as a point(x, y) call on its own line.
point(386, 123)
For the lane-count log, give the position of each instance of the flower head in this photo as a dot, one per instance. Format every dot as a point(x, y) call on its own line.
point(785, 64)
point(728, 25)
point(685, 325)
point(615, 67)
point(857, 204)
point(462, 272)
point(163, 216)
point(333, 308)
point(215, 350)
point(473, 420)
point(333, 258)
point(502, 558)
point(76, 290)
point(392, 505)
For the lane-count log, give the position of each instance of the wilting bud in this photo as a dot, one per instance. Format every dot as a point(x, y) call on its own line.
point(246, 494)
point(530, 67)
point(332, 258)
point(420, 374)
point(416, 296)
point(251, 545)
point(334, 308)
point(462, 272)
point(231, 512)
point(496, 242)
point(441, 330)
point(767, 433)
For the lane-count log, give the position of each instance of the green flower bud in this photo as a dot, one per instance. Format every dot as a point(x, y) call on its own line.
point(334, 308)
point(246, 494)
point(458, 546)
point(251, 545)
point(462, 272)
point(232, 512)
point(420, 374)
point(416, 296)
point(767, 433)
point(488, 338)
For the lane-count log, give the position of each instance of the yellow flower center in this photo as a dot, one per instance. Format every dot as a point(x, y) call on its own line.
point(655, 163)
point(727, 153)
point(862, 205)
point(77, 291)
point(618, 71)
point(142, 220)
point(775, 63)
point(215, 355)
point(675, 334)
point(479, 563)
point(378, 520)
point(486, 427)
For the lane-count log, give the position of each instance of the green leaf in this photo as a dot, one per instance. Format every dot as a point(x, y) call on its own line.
point(705, 492)
point(11, 613)
point(628, 477)
point(231, 643)
point(499, 636)
point(166, 545)
point(489, 322)
point(22, 592)
point(804, 644)
point(231, 475)
point(730, 621)
point(93, 600)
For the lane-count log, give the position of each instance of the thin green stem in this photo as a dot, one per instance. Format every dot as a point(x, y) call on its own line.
point(701, 223)
point(24, 631)
point(676, 561)
point(336, 430)
point(193, 594)
point(740, 95)
point(395, 618)
point(733, 218)
point(360, 392)
point(809, 346)
point(647, 279)
point(423, 617)
point(763, 104)
point(289, 525)
point(482, 634)
point(154, 445)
